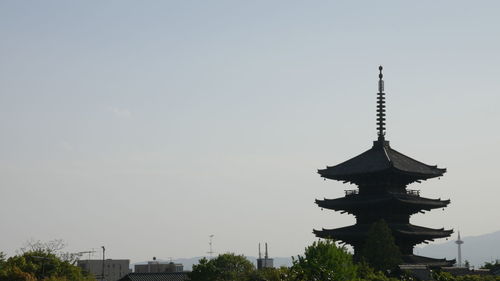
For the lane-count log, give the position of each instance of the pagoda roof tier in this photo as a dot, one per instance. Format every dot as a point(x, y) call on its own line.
point(358, 232)
point(353, 202)
point(381, 160)
point(431, 262)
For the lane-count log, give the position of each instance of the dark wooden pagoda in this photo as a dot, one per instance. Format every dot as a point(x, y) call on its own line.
point(382, 175)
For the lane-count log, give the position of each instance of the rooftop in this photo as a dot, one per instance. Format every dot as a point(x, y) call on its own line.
point(381, 159)
point(410, 200)
point(359, 232)
point(164, 276)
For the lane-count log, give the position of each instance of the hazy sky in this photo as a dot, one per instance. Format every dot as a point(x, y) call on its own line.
point(146, 126)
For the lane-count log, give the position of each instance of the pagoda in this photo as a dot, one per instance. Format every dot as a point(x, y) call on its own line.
point(382, 175)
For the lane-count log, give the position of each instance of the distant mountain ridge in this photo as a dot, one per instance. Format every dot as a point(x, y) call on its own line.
point(476, 249)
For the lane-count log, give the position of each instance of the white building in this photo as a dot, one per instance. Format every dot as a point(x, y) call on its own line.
point(113, 269)
point(155, 266)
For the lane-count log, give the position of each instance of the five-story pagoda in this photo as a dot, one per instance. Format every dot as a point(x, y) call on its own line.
point(382, 175)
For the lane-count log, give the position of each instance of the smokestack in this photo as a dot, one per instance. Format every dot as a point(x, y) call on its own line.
point(260, 255)
point(266, 256)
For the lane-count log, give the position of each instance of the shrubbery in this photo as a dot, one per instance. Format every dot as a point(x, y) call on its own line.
point(40, 262)
point(322, 261)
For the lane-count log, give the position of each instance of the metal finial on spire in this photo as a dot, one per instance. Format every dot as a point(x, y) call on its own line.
point(381, 106)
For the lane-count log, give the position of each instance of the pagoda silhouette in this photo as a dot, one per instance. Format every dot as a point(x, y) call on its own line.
point(382, 175)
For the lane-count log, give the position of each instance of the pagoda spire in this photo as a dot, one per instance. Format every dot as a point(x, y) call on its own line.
point(380, 106)
point(381, 176)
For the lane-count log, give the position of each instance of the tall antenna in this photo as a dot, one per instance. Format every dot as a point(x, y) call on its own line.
point(459, 243)
point(210, 242)
point(381, 106)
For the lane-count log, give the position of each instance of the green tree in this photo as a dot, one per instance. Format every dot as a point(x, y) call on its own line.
point(365, 272)
point(442, 276)
point(323, 261)
point(41, 261)
point(491, 265)
point(2, 260)
point(225, 267)
point(42, 266)
point(445, 276)
point(380, 250)
point(15, 274)
point(270, 274)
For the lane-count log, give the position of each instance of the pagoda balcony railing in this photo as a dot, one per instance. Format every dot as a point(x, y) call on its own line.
point(351, 192)
point(412, 192)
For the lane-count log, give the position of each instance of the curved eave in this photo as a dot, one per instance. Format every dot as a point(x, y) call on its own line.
point(410, 165)
point(408, 231)
point(439, 172)
point(427, 205)
point(380, 159)
point(353, 202)
point(328, 234)
point(432, 262)
point(358, 177)
point(430, 234)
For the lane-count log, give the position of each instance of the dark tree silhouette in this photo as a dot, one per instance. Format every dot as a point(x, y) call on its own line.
point(380, 250)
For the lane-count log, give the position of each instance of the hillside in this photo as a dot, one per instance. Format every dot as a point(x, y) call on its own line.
point(476, 249)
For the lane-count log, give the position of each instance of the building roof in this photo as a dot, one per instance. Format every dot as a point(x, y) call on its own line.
point(163, 276)
point(355, 202)
point(381, 159)
point(431, 262)
point(358, 232)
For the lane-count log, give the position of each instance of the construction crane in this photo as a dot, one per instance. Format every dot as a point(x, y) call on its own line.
point(91, 252)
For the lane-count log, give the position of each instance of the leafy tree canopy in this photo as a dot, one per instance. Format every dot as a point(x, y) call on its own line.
point(39, 263)
point(323, 261)
point(225, 267)
point(365, 272)
point(445, 276)
point(380, 250)
point(491, 265)
point(270, 274)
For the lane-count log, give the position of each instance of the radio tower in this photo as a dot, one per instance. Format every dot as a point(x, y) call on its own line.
point(210, 242)
point(459, 243)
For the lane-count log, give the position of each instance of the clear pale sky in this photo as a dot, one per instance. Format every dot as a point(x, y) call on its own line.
point(146, 126)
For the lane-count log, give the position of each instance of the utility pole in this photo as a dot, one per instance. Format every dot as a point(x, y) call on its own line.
point(103, 260)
